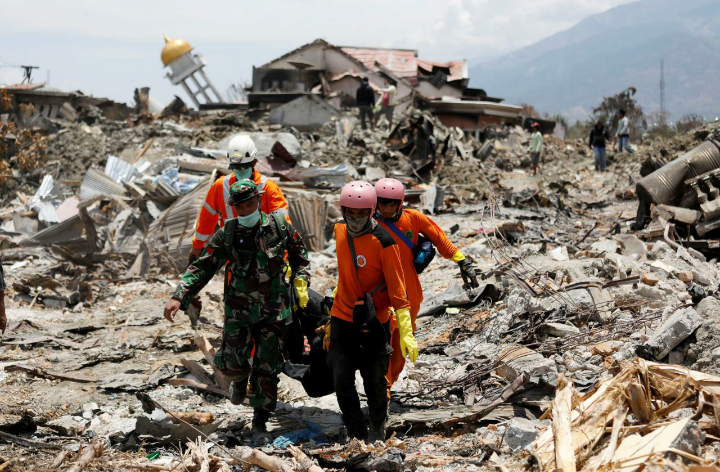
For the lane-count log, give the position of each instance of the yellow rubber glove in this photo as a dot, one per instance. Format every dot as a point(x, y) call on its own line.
point(287, 270)
point(301, 288)
point(334, 292)
point(408, 344)
point(457, 257)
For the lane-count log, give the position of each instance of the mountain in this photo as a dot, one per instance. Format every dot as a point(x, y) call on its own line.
point(604, 54)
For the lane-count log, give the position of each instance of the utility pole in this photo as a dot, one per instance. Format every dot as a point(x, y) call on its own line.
point(662, 93)
point(28, 73)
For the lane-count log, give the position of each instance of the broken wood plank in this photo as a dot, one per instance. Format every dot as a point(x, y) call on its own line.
point(11, 438)
point(89, 453)
point(52, 375)
point(561, 409)
point(192, 383)
point(639, 402)
point(200, 418)
point(198, 371)
point(260, 459)
point(307, 464)
point(209, 352)
point(507, 393)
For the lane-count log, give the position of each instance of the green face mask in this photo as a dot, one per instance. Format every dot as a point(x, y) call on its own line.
point(244, 173)
point(250, 220)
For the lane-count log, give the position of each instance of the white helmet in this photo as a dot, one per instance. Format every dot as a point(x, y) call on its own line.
point(241, 150)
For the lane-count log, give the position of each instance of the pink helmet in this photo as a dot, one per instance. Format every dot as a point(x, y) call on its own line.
point(391, 189)
point(358, 194)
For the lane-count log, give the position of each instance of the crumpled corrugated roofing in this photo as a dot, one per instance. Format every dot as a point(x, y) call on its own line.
point(96, 183)
point(401, 62)
point(458, 69)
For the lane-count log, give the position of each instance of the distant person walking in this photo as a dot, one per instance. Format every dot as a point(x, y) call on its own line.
point(388, 100)
point(365, 98)
point(623, 133)
point(536, 147)
point(598, 137)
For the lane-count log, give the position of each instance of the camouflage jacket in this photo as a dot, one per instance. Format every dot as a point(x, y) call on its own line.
point(256, 290)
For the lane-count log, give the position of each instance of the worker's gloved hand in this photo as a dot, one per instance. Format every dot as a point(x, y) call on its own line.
point(408, 344)
point(467, 271)
point(301, 288)
point(194, 254)
point(287, 270)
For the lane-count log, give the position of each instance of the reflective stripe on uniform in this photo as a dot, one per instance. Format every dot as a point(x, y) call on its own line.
point(263, 181)
point(210, 209)
point(281, 211)
point(201, 237)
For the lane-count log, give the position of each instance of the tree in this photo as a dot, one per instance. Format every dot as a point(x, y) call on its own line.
point(607, 112)
point(690, 122)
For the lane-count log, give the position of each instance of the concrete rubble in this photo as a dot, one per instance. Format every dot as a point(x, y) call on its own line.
point(583, 330)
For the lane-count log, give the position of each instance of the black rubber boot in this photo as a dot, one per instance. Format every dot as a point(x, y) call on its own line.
point(260, 434)
point(238, 390)
point(376, 432)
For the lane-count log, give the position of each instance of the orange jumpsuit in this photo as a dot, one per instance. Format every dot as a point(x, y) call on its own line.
point(378, 259)
point(412, 223)
point(217, 205)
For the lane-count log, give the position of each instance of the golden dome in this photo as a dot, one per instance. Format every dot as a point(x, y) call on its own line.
point(173, 49)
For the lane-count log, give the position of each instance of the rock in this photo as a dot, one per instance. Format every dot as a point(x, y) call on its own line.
point(700, 278)
point(521, 359)
point(560, 330)
point(649, 279)
point(650, 292)
point(520, 433)
point(605, 246)
point(90, 406)
point(560, 254)
point(672, 332)
point(685, 276)
point(632, 247)
point(68, 425)
point(676, 357)
point(607, 347)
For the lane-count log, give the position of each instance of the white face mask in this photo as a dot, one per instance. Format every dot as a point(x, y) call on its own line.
point(241, 174)
point(250, 220)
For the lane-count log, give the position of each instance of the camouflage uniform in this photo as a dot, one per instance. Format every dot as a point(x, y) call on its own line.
point(257, 298)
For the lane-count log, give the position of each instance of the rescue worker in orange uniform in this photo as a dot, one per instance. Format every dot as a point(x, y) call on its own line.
point(217, 208)
point(369, 266)
point(411, 223)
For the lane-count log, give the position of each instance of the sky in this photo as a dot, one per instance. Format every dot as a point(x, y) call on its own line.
point(109, 48)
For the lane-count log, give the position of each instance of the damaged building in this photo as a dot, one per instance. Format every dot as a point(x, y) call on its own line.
point(334, 73)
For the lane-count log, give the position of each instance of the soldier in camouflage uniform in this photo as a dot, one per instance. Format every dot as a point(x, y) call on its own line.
point(257, 297)
point(3, 318)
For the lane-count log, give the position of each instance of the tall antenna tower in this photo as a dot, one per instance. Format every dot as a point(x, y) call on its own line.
point(662, 92)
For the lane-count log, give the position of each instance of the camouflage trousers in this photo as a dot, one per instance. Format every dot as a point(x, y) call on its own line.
point(233, 359)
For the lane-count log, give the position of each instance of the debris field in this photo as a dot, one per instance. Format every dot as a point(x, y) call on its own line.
point(592, 343)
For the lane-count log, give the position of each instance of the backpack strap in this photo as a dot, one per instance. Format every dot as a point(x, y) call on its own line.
point(229, 233)
point(399, 233)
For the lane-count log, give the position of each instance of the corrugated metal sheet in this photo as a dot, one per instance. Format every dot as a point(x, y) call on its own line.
point(401, 62)
point(68, 230)
point(20, 225)
point(119, 170)
point(97, 183)
point(458, 69)
point(44, 191)
point(175, 227)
